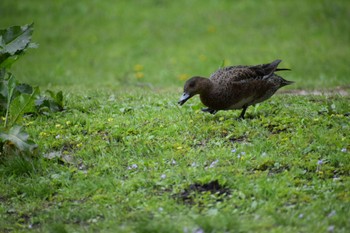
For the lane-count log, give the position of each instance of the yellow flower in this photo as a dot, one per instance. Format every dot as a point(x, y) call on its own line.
point(58, 125)
point(79, 145)
point(68, 122)
point(202, 57)
point(110, 119)
point(211, 29)
point(139, 75)
point(138, 68)
point(183, 77)
point(29, 123)
point(42, 134)
point(227, 62)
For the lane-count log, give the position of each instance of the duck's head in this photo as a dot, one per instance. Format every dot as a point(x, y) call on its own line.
point(193, 86)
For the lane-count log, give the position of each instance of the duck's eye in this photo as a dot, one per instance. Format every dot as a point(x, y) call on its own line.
point(192, 84)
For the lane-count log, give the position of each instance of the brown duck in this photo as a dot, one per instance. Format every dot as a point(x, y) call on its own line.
point(235, 87)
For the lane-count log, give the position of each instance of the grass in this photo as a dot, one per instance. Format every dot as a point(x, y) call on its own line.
point(99, 43)
point(123, 161)
point(124, 157)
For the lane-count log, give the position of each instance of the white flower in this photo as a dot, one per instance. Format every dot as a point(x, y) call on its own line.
point(163, 176)
point(330, 228)
point(332, 213)
point(198, 230)
point(213, 163)
point(343, 150)
point(134, 166)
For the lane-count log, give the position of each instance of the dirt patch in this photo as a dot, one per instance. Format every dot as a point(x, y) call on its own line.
point(341, 90)
point(239, 139)
point(213, 187)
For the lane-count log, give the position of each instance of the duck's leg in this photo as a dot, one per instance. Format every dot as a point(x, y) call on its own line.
point(243, 111)
point(211, 111)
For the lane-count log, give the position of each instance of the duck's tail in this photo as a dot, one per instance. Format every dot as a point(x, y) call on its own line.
point(279, 69)
point(285, 82)
point(269, 68)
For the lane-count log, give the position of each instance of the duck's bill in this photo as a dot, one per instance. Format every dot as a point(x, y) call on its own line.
point(185, 96)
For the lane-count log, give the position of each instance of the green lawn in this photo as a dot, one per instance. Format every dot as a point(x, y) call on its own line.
point(124, 157)
point(99, 42)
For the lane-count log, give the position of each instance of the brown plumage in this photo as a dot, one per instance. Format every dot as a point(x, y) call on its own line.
point(235, 87)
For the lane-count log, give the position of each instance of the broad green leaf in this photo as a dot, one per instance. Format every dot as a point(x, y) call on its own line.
point(19, 138)
point(11, 85)
point(23, 103)
point(15, 39)
point(2, 73)
point(24, 88)
point(51, 103)
point(7, 60)
point(13, 42)
point(59, 98)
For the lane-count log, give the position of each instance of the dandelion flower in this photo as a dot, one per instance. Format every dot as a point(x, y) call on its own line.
point(139, 75)
point(183, 77)
point(138, 68)
point(211, 29)
point(202, 57)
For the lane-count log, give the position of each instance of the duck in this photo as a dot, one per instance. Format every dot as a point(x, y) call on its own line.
point(235, 87)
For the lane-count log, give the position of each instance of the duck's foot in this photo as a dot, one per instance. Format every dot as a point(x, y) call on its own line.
point(211, 111)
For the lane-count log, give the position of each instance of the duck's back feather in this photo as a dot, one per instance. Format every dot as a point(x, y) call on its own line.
point(244, 73)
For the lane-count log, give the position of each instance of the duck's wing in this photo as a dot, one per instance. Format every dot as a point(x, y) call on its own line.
point(266, 69)
point(234, 74)
point(245, 73)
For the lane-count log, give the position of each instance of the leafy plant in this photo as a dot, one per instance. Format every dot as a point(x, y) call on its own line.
point(13, 43)
point(17, 99)
point(17, 139)
point(49, 102)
